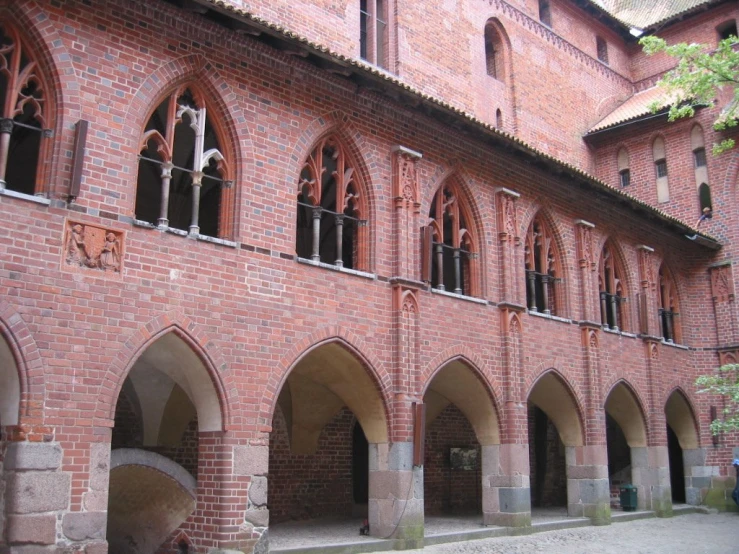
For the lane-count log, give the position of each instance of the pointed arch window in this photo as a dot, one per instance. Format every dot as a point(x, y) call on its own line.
point(332, 209)
point(700, 166)
point(184, 178)
point(494, 52)
point(542, 268)
point(660, 169)
point(669, 307)
point(612, 291)
point(25, 119)
point(450, 245)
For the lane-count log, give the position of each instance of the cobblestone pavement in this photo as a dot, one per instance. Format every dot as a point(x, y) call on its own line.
point(684, 534)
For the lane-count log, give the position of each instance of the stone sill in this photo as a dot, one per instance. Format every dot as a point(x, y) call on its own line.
point(460, 296)
point(549, 316)
point(619, 332)
point(363, 274)
point(675, 345)
point(27, 197)
point(181, 233)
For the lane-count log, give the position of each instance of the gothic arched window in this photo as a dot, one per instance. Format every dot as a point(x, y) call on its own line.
point(26, 115)
point(494, 50)
point(184, 178)
point(669, 307)
point(332, 210)
point(542, 268)
point(451, 244)
point(612, 290)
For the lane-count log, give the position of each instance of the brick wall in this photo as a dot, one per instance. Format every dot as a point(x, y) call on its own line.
point(311, 486)
point(448, 490)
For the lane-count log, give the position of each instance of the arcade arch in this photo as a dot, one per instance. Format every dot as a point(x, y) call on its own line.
point(683, 446)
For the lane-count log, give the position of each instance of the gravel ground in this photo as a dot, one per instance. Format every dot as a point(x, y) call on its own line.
point(684, 534)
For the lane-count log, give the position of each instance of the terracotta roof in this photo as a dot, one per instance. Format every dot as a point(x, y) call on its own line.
point(647, 13)
point(442, 110)
point(634, 108)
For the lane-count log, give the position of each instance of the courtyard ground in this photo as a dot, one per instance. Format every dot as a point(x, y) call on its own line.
point(684, 534)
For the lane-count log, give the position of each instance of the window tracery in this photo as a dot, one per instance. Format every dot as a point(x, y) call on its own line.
point(612, 291)
point(26, 115)
point(452, 244)
point(669, 307)
point(184, 178)
point(542, 268)
point(331, 219)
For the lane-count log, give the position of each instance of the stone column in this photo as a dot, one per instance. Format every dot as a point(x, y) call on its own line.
point(588, 487)
point(648, 312)
point(698, 475)
point(37, 492)
point(395, 495)
point(250, 470)
point(506, 487)
point(650, 473)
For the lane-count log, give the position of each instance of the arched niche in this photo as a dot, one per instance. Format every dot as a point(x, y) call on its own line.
point(681, 419)
point(554, 397)
point(623, 406)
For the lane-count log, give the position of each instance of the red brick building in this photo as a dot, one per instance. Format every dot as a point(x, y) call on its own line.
point(277, 261)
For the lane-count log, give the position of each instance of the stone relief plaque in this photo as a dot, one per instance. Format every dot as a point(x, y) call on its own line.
point(91, 247)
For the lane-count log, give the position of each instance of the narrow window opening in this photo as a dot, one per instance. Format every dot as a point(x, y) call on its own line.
point(373, 32)
point(545, 13)
point(625, 177)
point(661, 168)
point(704, 195)
point(699, 156)
point(727, 30)
point(602, 49)
point(498, 119)
point(668, 308)
point(494, 53)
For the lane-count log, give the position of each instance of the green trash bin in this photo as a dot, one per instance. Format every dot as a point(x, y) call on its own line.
point(628, 498)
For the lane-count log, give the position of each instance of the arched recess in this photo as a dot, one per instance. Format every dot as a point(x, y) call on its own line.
point(461, 439)
point(10, 385)
point(457, 382)
point(624, 407)
point(323, 380)
point(498, 62)
point(668, 301)
point(683, 448)
point(555, 398)
point(681, 418)
point(454, 242)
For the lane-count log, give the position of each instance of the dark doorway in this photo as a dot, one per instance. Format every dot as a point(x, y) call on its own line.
point(547, 461)
point(360, 465)
point(677, 470)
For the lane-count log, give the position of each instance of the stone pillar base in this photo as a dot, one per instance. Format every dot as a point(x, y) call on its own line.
point(506, 492)
point(588, 487)
point(395, 506)
point(650, 473)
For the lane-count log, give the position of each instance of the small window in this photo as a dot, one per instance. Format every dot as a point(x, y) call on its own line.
point(624, 171)
point(602, 48)
point(727, 29)
point(669, 309)
point(498, 119)
point(625, 177)
point(699, 155)
point(373, 32)
point(612, 290)
point(661, 166)
point(545, 13)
